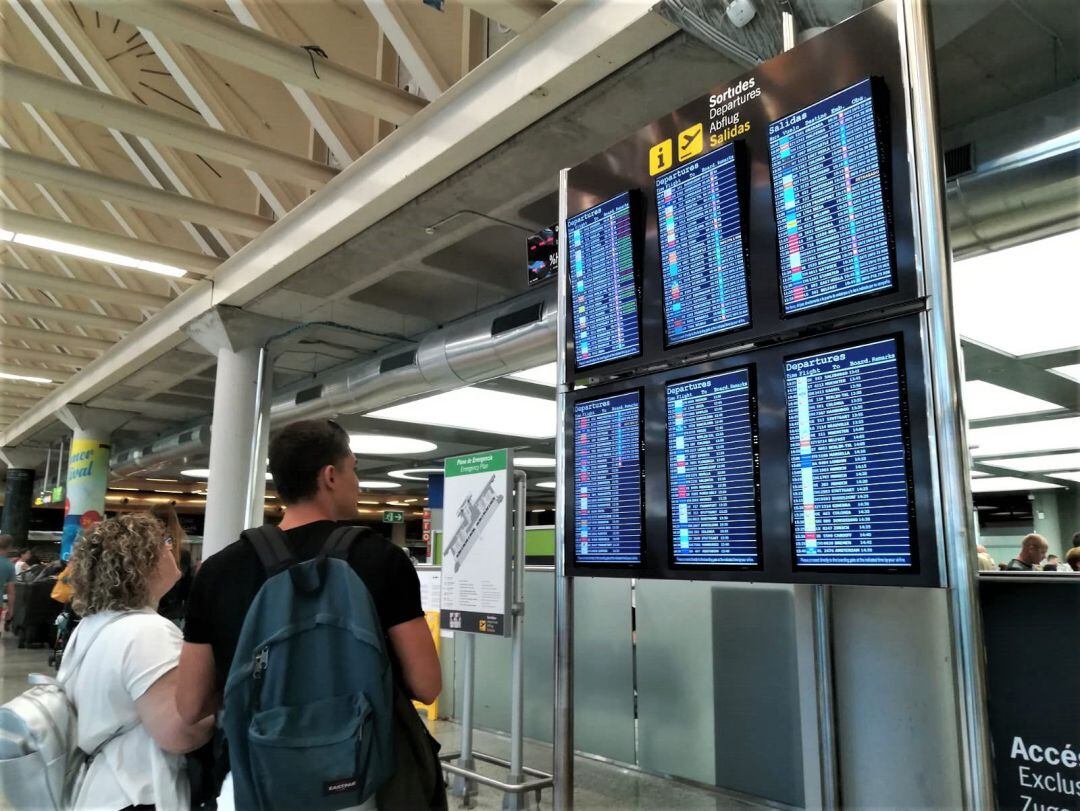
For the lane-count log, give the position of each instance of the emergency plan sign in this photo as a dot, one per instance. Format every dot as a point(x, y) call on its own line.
point(476, 543)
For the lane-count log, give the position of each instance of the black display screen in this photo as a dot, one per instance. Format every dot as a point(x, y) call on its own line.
point(832, 218)
point(604, 283)
point(702, 248)
point(607, 488)
point(851, 489)
point(712, 471)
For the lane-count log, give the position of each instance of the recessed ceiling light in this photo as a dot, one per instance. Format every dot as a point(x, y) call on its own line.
point(546, 375)
point(1006, 484)
point(1039, 464)
point(546, 485)
point(204, 473)
point(376, 503)
point(381, 445)
point(473, 409)
point(1027, 437)
point(376, 485)
point(1036, 277)
point(1069, 475)
point(416, 474)
point(984, 400)
point(25, 378)
point(169, 481)
point(93, 254)
point(398, 503)
point(540, 510)
point(534, 461)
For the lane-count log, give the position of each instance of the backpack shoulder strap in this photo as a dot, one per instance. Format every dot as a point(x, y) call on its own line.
point(271, 547)
point(341, 540)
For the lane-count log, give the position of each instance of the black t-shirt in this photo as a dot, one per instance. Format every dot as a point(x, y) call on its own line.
point(228, 581)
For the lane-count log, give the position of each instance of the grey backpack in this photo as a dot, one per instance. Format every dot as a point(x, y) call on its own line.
point(40, 763)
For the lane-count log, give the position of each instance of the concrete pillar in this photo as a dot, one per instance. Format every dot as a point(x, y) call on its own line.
point(22, 466)
point(88, 469)
point(236, 338)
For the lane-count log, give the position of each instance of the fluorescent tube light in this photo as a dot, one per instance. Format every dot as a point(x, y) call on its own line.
point(474, 409)
point(1008, 484)
point(546, 375)
point(994, 291)
point(26, 378)
point(546, 485)
point(6, 236)
point(380, 445)
point(377, 485)
point(108, 257)
point(416, 474)
point(1039, 464)
point(204, 473)
point(534, 461)
point(1028, 437)
point(984, 400)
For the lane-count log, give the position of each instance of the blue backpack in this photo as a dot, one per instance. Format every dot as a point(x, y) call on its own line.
point(308, 708)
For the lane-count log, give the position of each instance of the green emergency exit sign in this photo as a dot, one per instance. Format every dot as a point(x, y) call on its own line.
point(393, 517)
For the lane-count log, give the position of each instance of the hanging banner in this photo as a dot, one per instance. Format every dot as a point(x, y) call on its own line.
point(476, 541)
point(87, 481)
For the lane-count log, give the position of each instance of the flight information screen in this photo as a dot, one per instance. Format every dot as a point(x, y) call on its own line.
point(712, 471)
point(702, 254)
point(608, 480)
point(851, 492)
point(832, 219)
point(604, 283)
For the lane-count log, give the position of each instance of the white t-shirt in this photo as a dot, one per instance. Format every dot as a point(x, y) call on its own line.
point(123, 661)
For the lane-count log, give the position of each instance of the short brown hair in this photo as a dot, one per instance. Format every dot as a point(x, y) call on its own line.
point(6, 542)
point(111, 567)
point(300, 451)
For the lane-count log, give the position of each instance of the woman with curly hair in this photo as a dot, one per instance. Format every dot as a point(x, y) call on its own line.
point(119, 670)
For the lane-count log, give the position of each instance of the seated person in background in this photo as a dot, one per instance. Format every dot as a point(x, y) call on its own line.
point(23, 562)
point(119, 670)
point(1053, 563)
point(986, 563)
point(1032, 551)
point(1072, 559)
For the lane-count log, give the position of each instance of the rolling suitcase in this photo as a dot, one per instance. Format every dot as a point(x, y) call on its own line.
point(35, 613)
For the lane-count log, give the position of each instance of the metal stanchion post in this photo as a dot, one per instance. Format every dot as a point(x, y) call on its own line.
point(823, 673)
point(463, 786)
point(516, 802)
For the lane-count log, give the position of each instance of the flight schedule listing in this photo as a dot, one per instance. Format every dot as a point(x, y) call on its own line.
point(712, 481)
point(848, 447)
point(831, 216)
point(702, 255)
point(607, 480)
point(603, 283)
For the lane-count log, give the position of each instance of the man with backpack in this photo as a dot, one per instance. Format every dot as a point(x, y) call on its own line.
point(311, 637)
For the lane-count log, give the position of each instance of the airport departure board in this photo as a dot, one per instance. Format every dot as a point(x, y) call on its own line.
point(712, 471)
point(832, 218)
point(702, 251)
point(608, 480)
point(851, 494)
point(604, 283)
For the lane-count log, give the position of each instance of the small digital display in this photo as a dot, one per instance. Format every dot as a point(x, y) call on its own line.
point(851, 493)
point(702, 250)
point(712, 471)
point(543, 250)
point(832, 218)
point(604, 283)
point(607, 480)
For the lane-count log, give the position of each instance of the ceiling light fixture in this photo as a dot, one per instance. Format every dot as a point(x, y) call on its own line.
point(984, 400)
point(25, 378)
point(1038, 464)
point(546, 375)
point(94, 254)
point(382, 445)
point(416, 474)
point(1027, 437)
point(1008, 484)
point(546, 485)
point(377, 485)
point(204, 473)
point(474, 409)
point(534, 461)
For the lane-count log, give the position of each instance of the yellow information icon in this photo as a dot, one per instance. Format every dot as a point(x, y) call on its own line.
point(691, 142)
point(661, 157)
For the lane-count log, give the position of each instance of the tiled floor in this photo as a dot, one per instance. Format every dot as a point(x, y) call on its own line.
point(597, 785)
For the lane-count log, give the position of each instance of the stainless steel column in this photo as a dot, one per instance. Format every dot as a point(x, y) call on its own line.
point(947, 377)
point(462, 786)
point(514, 802)
point(563, 738)
point(260, 439)
point(826, 709)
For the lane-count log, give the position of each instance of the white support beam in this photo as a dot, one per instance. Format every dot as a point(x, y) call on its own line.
point(31, 371)
point(409, 46)
point(45, 337)
point(47, 313)
point(16, 388)
point(235, 42)
point(574, 46)
point(20, 223)
point(166, 203)
point(517, 15)
point(49, 358)
point(78, 101)
point(78, 287)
